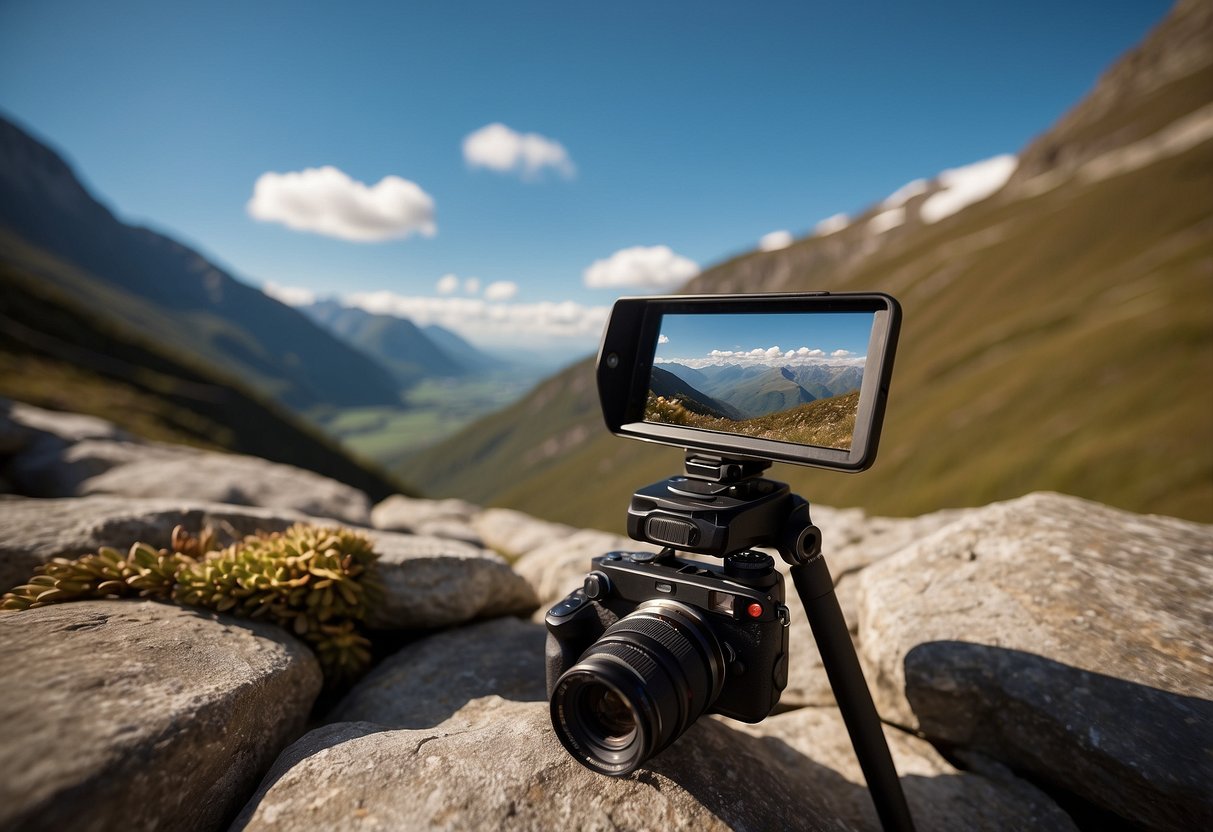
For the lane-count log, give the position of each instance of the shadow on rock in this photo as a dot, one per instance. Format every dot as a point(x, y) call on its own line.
point(1141, 752)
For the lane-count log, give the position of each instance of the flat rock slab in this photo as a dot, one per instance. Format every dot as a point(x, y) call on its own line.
point(434, 582)
point(426, 682)
point(513, 533)
point(34, 531)
point(53, 454)
point(851, 540)
point(435, 518)
point(140, 715)
point(1063, 638)
point(497, 765)
point(940, 796)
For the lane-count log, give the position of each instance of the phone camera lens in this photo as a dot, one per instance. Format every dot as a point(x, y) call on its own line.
point(612, 360)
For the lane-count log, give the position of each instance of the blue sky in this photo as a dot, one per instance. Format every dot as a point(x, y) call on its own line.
point(694, 127)
point(816, 336)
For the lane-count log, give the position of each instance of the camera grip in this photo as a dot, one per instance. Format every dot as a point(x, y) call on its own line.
point(573, 625)
point(558, 656)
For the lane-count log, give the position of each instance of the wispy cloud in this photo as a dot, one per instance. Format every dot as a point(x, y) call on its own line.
point(641, 267)
point(327, 201)
point(489, 320)
point(769, 357)
point(500, 148)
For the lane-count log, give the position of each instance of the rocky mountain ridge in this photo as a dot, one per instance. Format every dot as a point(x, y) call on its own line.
point(1031, 672)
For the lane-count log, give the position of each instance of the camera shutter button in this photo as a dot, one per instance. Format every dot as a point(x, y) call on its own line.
point(596, 585)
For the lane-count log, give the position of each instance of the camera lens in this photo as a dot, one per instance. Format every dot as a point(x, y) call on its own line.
point(608, 716)
point(636, 689)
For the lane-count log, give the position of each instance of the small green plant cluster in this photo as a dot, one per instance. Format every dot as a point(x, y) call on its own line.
point(317, 582)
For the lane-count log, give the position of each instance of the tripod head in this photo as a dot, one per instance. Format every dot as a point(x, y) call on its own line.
point(722, 505)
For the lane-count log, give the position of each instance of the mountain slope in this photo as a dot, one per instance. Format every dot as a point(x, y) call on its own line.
point(395, 343)
point(1057, 335)
point(72, 360)
point(668, 386)
point(144, 280)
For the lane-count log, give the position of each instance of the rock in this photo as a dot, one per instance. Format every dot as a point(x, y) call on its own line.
point(807, 681)
point(30, 421)
point(513, 534)
point(140, 715)
point(1062, 638)
point(431, 582)
point(497, 765)
point(940, 797)
point(408, 514)
point(426, 682)
point(155, 470)
point(851, 540)
point(559, 566)
point(451, 530)
point(34, 531)
point(70, 455)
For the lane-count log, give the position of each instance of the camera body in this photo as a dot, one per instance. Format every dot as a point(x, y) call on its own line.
point(737, 608)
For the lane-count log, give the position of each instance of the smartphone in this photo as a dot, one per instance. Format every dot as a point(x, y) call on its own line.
point(800, 378)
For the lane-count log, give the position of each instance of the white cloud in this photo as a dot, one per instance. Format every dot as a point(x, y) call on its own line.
point(500, 290)
point(775, 241)
point(471, 286)
point(661, 339)
point(566, 324)
point(885, 220)
point(964, 186)
point(770, 357)
point(447, 284)
point(327, 201)
point(647, 267)
point(504, 150)
point(829, 225)
point(290, 295)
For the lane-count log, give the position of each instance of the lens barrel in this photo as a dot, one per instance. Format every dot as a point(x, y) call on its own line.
point(637, 688)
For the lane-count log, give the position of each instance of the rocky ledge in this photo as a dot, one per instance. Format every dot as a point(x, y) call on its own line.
point(1040, 664)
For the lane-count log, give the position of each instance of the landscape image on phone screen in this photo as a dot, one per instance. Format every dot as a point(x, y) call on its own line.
point(789, 377)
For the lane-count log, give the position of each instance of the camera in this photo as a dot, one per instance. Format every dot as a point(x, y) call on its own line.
point(652, 642)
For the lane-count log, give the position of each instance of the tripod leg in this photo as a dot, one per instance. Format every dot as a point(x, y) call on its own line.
point(816, 590)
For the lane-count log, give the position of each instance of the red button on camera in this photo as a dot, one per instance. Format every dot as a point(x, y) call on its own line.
point(754, 610)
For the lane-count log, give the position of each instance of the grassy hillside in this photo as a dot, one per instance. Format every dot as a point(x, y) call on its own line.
point(829, 423)
point(1056, 336)
point(58, 353)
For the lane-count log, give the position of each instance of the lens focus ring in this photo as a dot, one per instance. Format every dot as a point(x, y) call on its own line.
point(661, 666)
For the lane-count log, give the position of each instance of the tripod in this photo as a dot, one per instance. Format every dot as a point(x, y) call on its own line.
point(722, 506)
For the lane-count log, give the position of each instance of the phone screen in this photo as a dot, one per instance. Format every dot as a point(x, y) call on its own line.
point(787, 377)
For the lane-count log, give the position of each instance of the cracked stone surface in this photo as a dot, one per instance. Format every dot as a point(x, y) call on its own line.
point(1060, 637)
point(141, 715)
point(496, 764)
